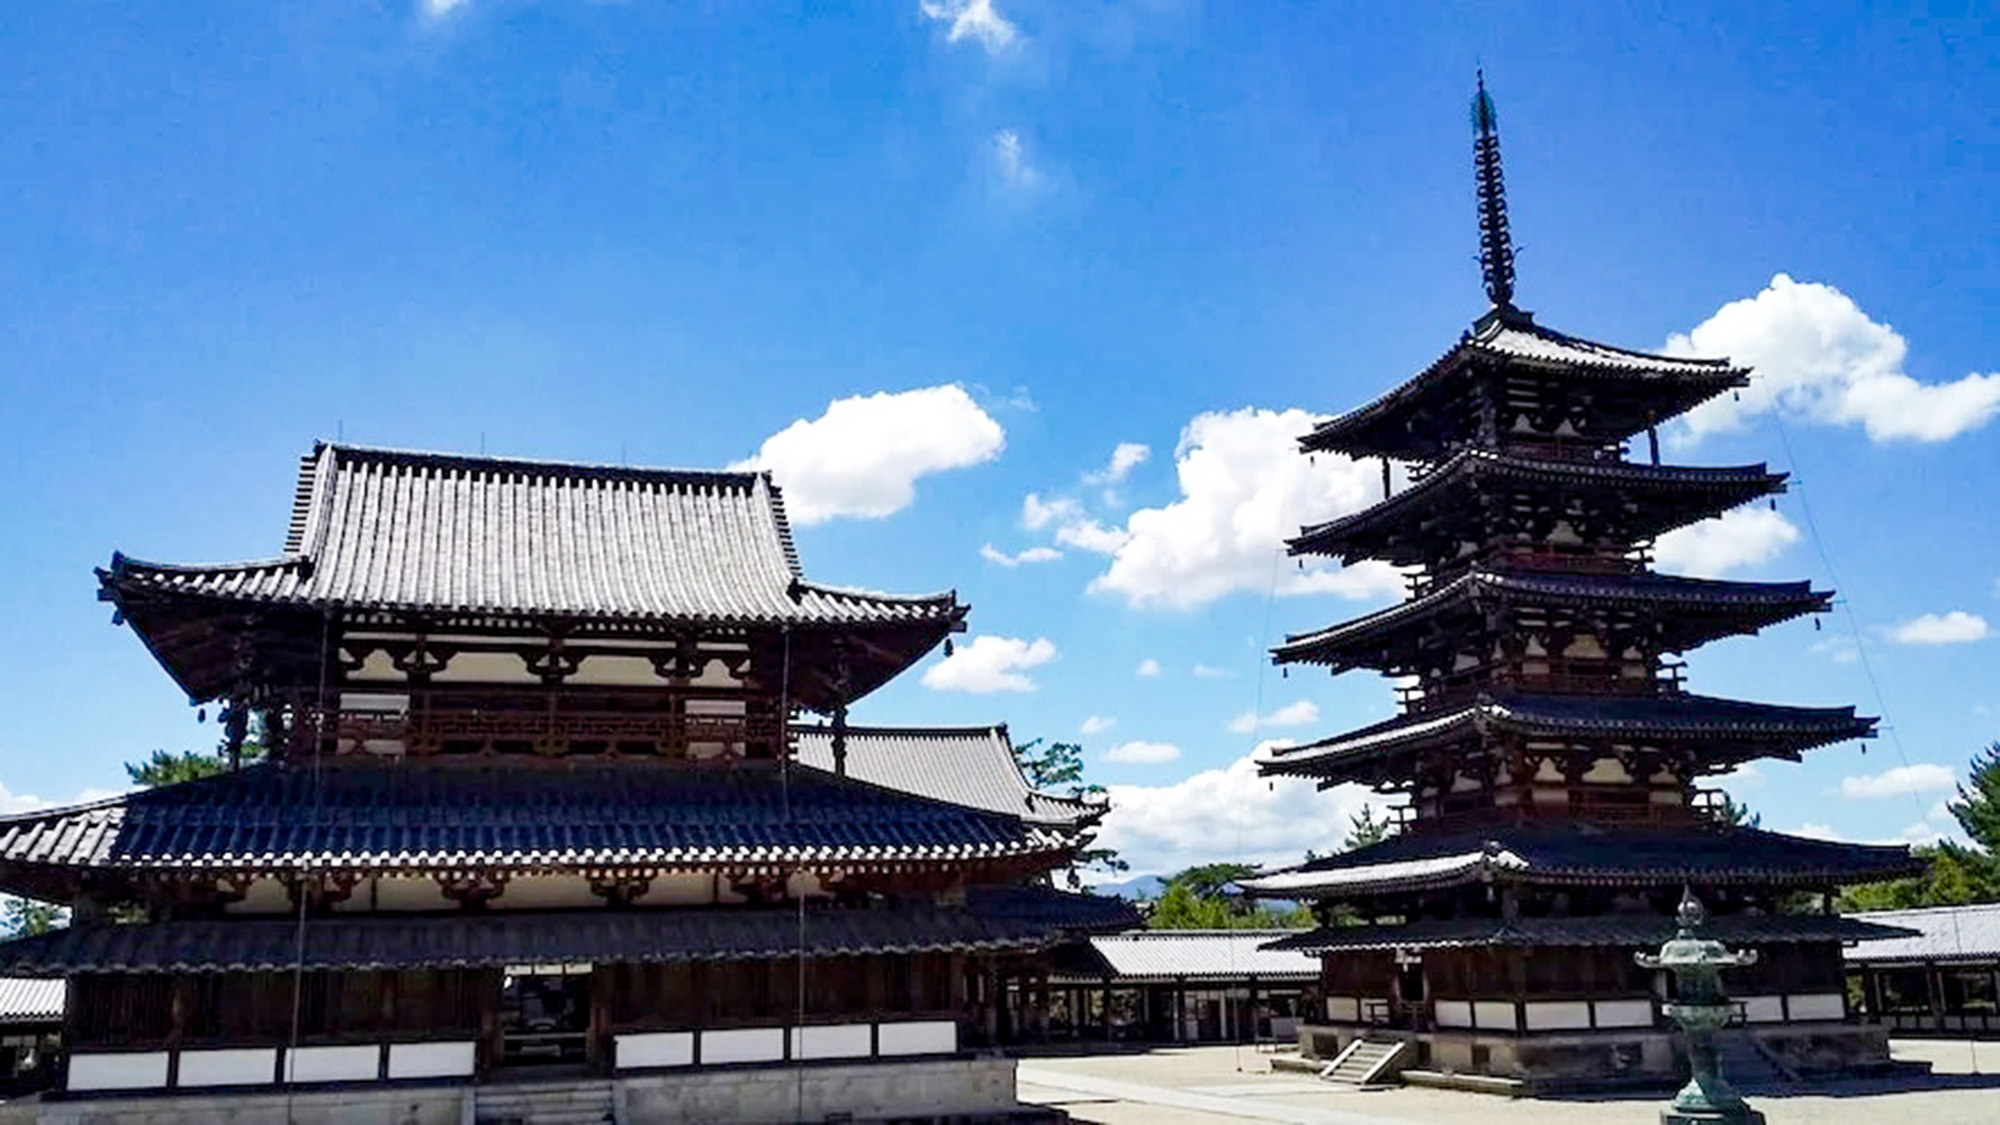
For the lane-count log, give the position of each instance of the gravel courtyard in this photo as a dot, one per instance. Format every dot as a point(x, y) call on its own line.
point(1174, 1085)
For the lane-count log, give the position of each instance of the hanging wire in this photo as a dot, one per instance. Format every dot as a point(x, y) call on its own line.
point(1256, 727)
point(798, 1033)
point(312, 820)
point(1860, 647)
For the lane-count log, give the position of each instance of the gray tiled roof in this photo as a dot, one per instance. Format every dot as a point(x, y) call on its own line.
point(970, 766)
point(391, 816)
point(1609, 929)
point(1674, 495)
point(1156, 955)
point(1585, 854)
point(1728, 727)
point(26, 1000)
point(1672, 384)
point(388, 529)
point(1939, 933)
point(547, 937)
point(1697, 609)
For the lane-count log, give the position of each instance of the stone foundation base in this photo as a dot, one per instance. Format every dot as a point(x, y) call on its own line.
point(1548, 1061)
point(960, 1089)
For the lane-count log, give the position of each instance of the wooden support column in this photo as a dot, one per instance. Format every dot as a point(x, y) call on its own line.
point(597, 1053)
point(1104, 1016)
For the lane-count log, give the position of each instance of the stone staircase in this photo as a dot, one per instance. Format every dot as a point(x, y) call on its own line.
point(1746, 1064)
point(1363, 1061)
point(582, 1102)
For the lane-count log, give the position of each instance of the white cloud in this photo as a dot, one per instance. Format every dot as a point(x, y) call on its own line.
point(1924, 777)
point(990, 664)
point(1037, 513)
point(977, 20)
point(1148, 668)
point(1089, 535)
point(993, 554)
point(864, 455)
point(1098, 724)
point(1955, 628)
point(438, 9)
point(1839, 648)
point(1010, 160)
point(1142, 753)
point(1128, 456)
point(1732, 541)
point(1818, 357)
point(1227, 814)
point(1303, 713)
point(1813, 831)
point(1245, 488)
point(12, 802)
point(1211, 672)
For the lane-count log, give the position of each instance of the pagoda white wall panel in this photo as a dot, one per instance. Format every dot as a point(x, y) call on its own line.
point(263, 896)
point(485, 668)
point(1493, 1015)
point(1817, 1006)
point(917, 1037)
point(652, 1049)
point(432, 1060)
point(122, 1070)
point(1453, 1013)
point(745, 1044)
point(247, 1066)
point(1344, 1009)
point(839, 1041)
point(377, 667)
point(333, 1064)
point(1763, 1009)
point(1624, 1013)
point(1556, 1015)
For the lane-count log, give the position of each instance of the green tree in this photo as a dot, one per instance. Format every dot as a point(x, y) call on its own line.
point(1955, 875)
point(1053, 768)
point(1977, 809)
point(25, 917)
point(1202, 898)
point(1738, 815)
point(167, 767)
point(1364, 829)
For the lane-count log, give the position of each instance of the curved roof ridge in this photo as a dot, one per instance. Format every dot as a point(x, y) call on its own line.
point(744, 478)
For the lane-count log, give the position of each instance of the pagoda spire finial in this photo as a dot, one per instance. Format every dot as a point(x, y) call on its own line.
point(1496, 248)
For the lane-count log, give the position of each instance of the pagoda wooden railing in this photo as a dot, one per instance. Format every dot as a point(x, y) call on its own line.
point(1459, 692)
point(483, 731)
point(1560, 449)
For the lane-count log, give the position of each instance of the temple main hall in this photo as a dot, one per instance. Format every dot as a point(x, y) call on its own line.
point(535, 810)
point(1554, 776)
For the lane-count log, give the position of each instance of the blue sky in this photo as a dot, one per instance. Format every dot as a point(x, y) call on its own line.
point(679, 234)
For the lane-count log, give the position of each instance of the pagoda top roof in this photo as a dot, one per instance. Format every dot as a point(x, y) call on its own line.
point(992, 919)
point(1733, 729)
point(1658, 385)
point(523, 816)
point(1647, 930)
point(971, 766)
point(1581, 853)
point(1702, 608)
point(385, 529)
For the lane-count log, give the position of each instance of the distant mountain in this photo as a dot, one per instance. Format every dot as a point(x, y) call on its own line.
point(1144, 886)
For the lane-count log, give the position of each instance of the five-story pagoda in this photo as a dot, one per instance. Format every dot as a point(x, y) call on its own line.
point(1548, 758)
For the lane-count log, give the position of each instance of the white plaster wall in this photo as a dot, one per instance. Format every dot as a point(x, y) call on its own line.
point(546, 892)
point(665, 1048)
point(1818, 1006)
point(248, 1066)
point(431, 1060)
point(746, 1044)
point(1343, 1009)
point(264, 896)
point(1624, 1013)
point(1453, 1013)
point(840, 1041)
point(919, 1037)
point(1556, 1015)
point(377, 668)
point(486, 668)
point(124, 1070)
point(333, 1064)
point(977, 1089)
point(623, 671)
point(1763, 1009)
point(419, 893)
point(1494, 1014)
point(679, 890)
